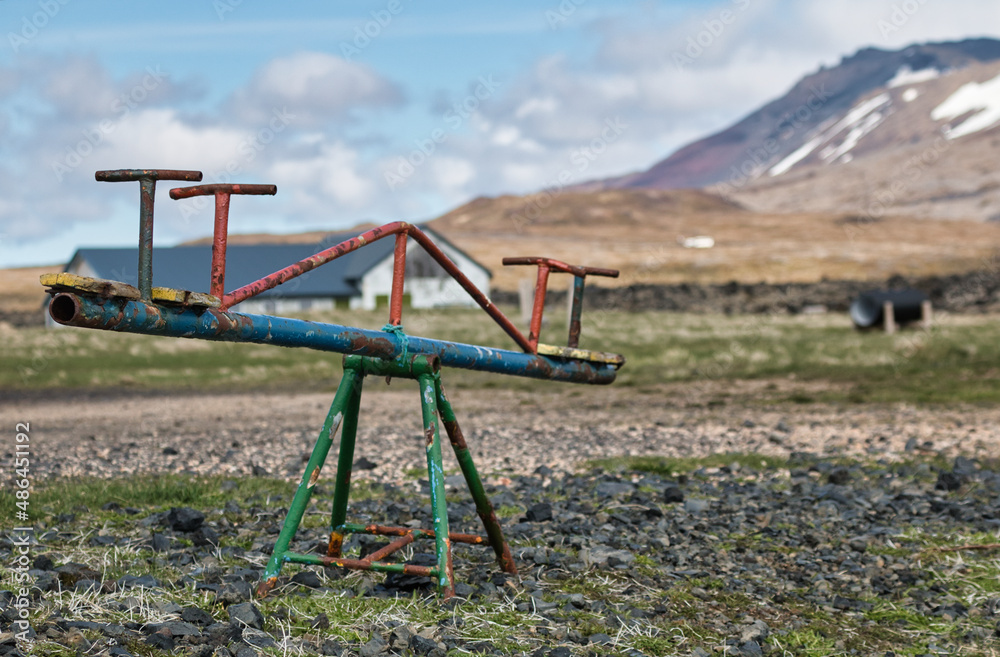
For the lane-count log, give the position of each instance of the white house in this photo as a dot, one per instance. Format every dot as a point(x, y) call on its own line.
point(360, 279)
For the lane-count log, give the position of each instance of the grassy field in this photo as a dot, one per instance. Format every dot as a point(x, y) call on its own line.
point(956, 361)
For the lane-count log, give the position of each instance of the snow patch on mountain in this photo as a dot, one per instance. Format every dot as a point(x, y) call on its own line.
point(795, 157)
point(860, 120)
point(869, 123)
point(904, 76)
point(982, 98)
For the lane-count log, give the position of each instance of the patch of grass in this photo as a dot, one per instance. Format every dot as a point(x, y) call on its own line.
point(957, 361)
point(810, 641)
point(655, 645)
point(510, 511)
point(899, 617)
point(66, 495)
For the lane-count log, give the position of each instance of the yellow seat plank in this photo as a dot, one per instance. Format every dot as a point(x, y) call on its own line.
point(581, 354)
point(171, 296)
point(87, 285)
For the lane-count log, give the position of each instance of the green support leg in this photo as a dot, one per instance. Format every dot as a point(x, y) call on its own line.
point(483, 505)
point(435, 474)
point(344, 414)
point(345, 464)
point(309, 477)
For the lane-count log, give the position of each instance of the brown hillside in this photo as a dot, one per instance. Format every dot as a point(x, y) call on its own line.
point(21, 295)
point(638, 232)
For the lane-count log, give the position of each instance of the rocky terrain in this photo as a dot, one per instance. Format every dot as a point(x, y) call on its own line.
point(812, 555)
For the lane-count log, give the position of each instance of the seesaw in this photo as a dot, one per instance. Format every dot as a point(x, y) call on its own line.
point(118, 306)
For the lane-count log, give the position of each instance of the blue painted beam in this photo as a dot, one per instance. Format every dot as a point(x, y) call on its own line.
point(132, 316)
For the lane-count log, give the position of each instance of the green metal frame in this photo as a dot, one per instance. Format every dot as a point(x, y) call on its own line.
point(343, 415)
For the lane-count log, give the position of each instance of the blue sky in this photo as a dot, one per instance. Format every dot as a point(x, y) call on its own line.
point(384, 110)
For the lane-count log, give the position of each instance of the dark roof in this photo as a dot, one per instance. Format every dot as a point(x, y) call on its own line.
point(189, 267)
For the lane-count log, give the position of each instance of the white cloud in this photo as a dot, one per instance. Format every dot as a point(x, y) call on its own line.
point(331, 175)
point(452, 174)
point(547, 105)
point(80, 88)
point(506, 135)
point(848, 25)
point(162, 136)
point(68, 126)
point(317, 87)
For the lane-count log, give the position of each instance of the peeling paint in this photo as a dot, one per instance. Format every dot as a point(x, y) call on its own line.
point(335, 426)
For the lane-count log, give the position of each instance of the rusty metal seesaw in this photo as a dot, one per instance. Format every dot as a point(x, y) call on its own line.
point(117, 306)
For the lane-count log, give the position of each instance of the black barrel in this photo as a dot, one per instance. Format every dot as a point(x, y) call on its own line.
point(866, 310)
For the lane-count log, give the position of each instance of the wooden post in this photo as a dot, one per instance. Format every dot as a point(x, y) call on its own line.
point(888, 318)
point(526, 298)
point(926, 314)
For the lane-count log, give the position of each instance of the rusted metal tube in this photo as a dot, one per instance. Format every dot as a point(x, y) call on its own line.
point(219, 240)
point(391, 548)
point(398, 278)
point(225, 188)
point(545, 266)
point(131, 175)
point(576, 310)
point(325, 256)
point(147, 192)
point(388, 530)
point(222, 192)
point(558, 265)
point(541, 284)
point(483, 505)
point(119, 314)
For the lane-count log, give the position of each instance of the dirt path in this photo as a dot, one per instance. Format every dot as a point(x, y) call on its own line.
point(113, 433)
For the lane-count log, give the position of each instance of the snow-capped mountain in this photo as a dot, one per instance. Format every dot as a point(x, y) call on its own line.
point(908, 132)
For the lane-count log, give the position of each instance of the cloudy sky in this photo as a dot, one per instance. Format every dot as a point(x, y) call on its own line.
point(387, 109)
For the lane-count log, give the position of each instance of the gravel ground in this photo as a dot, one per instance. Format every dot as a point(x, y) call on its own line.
point(878, 537)
point(510, 432)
